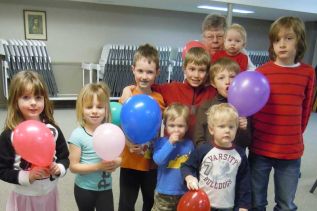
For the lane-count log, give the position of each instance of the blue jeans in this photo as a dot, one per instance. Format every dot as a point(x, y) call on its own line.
point(286, 176)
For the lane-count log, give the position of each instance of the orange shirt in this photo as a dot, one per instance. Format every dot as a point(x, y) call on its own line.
point(141, 162)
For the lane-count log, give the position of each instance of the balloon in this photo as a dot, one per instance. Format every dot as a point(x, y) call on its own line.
point(192, 44)
point(141, 118)
point(249, 92)
point(115, 112)
point(108, 141)
point(194, 201)
point(34, 142)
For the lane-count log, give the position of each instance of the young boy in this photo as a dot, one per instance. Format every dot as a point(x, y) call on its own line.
point(235, 41)
point(278, 128)
point(219, 167)
point(137, 167)
point(169, 153)
point(221, 74)
point(193, 91)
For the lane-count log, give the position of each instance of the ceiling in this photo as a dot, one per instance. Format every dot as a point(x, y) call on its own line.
point(264, 9)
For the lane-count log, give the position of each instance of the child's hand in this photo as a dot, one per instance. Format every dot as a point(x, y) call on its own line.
point(243, 209)
point(134, 148)
point(126, 93)
point(110, 166)
point(54, 169)
point(192, 182)
point(174, 137)
point(243, 123)
point(37, 173)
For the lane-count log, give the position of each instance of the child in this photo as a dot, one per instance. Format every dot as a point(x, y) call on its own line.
point(213, 30)
point(194, 90)
point(221, 74)
point(35, 188)
point(169, 153)
point(137, 168)
point(279, 126)
point(235, 41)
point(93, 188)
point(220, 166)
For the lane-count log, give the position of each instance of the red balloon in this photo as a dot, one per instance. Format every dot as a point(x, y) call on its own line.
point(34, 142)
point(192, 44)
point(194, 201)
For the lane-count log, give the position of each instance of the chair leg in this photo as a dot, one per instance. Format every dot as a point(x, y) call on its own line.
point(314, 187)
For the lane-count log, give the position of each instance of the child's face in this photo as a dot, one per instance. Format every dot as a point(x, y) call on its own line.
point(144, 73)
point(177, 126)
point(285, 47)
point(30, 105)
point(223, 132)
point(94, 112)
point(222, 81)
point(233, 42)
point(195, 74)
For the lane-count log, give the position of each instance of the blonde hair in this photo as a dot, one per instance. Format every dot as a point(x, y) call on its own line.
point(295, 24)
point(214, 21)
point(222, 112)
point(21, 82)
point(240, 29)
point(222, 64)
point(86, 96)
point(174, 111)
point(149, 52)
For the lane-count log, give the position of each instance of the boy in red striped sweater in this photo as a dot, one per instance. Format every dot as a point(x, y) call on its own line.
point(278, 128)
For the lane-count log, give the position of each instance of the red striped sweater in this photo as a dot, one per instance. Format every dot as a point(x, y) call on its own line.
point(279, 126)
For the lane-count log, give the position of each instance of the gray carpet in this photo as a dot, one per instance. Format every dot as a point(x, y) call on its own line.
point(305, 200)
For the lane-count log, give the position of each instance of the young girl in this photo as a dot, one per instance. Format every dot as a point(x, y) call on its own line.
point(93, 188)
point(169, 153)
point(34, 189)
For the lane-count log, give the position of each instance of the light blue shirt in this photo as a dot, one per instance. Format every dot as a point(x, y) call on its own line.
point(97, 181)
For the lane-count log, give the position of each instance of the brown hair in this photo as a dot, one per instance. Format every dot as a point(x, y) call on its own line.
point(20, 83)
point(295, 24)
point(221, 65)
point(149, 52)
point(85, 98)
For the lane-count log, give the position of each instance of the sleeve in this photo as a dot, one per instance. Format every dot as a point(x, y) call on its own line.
point(163, 89)
point(192, 165)
point(62, 152)
point(244, 137)
point(162, 151)
point(243, 184)
point(201, 125)
point(245, 62)
point(308, 101)
point(74, 139)
point(7, 157)
point(251, 66)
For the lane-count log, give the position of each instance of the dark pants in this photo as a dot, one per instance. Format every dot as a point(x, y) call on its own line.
point(130, 183)
point(88, 200)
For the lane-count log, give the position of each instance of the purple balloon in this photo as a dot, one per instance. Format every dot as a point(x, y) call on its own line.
point(249, 92)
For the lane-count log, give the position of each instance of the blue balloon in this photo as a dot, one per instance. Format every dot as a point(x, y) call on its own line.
point(141, 118)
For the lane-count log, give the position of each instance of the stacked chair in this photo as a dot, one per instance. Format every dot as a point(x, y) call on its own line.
point(21, 55)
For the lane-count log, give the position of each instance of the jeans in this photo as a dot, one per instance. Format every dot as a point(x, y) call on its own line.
point(286, 176)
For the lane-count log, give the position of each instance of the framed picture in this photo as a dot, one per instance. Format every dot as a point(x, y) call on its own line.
point(35, 25)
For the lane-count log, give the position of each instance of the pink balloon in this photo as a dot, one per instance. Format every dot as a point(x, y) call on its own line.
point(108, 141)
point(34, 142)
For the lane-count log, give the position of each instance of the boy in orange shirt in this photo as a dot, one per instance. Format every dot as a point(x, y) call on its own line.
point(137, 167)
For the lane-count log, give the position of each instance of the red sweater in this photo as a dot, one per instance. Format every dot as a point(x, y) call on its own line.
point(240, 58)
point(279, 126)
point(187, 95)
